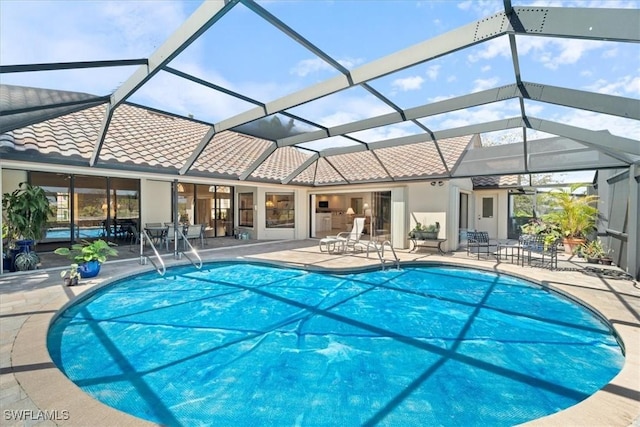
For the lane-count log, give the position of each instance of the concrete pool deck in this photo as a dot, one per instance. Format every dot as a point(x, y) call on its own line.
point(35, 392)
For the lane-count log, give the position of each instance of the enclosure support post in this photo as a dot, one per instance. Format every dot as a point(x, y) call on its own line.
point(633, 241)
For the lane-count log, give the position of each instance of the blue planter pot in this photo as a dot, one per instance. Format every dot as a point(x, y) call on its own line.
point(25, 245)
point(89, 269)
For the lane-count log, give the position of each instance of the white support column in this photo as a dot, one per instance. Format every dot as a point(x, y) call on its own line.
point(633, 232)
point(399, 218)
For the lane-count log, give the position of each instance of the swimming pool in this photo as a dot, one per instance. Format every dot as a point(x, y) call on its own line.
point(252, 344)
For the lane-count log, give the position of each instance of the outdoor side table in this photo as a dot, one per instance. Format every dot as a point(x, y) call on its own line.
point(423, 242)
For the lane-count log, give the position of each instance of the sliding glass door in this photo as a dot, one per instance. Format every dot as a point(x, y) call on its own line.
point(210, 205)
point(57, 187)
point(89, 207)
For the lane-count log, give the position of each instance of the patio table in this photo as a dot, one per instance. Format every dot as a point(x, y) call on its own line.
point(510, 250)
point(418, 242)
point(157, 234)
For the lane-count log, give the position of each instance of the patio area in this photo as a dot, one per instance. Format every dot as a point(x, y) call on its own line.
point(30, 383)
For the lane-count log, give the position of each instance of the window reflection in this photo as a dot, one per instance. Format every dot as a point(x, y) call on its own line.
point(96, 206)
point(280, 210)
point(246, 210)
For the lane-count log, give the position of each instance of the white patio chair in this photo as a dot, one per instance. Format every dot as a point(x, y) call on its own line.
point(347, 240)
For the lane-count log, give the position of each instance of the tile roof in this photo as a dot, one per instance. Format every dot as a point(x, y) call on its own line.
point(504, 181)
point(144, 139)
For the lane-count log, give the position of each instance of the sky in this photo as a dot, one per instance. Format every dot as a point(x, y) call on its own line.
point(244, 53)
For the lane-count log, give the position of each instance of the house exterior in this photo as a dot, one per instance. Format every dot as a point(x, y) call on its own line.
point(241, 183)
point(139, 172)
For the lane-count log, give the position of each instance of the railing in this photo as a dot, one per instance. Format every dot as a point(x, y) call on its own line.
point(380, 251)
point(193, 250)
point(144, 258)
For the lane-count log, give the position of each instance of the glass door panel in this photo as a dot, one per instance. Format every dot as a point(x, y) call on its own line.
point(57, 188)
point(223, 211)
point(91, 208)
point(186, 193)
point(381, 219)
point(125, 198)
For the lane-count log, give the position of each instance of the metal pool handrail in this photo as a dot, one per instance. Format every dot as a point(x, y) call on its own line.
point(193, 250)
point(144, 258)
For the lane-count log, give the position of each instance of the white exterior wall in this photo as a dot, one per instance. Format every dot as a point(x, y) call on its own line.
point(501, 213)
point(155, 201)
point(11, 179)
point(434, 202)
point(301, 229)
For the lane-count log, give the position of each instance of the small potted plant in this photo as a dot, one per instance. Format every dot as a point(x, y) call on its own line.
point(606, 257)
point(89, 255)
point(416, 232)
point(425, 232)
point(430, 232)
point(71, 276)
point(593, 251)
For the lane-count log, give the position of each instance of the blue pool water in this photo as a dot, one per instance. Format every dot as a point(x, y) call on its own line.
point(64, 233)
point(247, 344)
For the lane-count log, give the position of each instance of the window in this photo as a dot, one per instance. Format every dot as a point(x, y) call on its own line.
point(280, 212)
point(487, 207)
point(246, 209)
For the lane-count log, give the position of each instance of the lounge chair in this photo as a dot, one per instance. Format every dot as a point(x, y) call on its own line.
point(344, 241)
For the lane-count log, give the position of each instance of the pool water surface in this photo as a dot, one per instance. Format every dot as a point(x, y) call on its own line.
point(251, 344)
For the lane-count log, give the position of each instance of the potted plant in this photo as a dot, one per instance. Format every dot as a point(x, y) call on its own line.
point(89, 255)
point(425, 232)
point(593, 251)
point(606, 258)
point(574, 215)
point(25, 212)
point(71, 276)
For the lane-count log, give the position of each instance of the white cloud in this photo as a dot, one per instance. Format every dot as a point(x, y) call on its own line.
point(408, 83)
point(596, 121)
point(628, 86)
point(553, 53)
point(350, 62)
point(470, 116)
point(465, 5)
point(308, 66)
point(492, 48)
point(387, 132)
point(482, 84)
point(485, 68)
point(481, 7)
point(433, 71)
point(341, 108)
point(570, 51)
point(315, 65)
